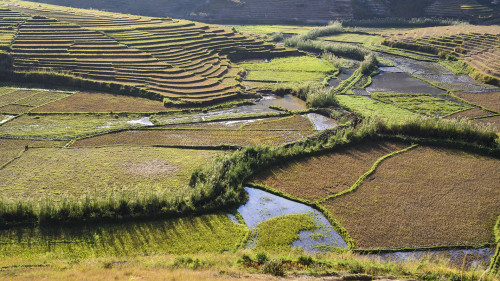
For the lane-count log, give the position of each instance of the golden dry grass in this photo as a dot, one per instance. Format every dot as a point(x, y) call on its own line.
point(101, 102)
point(424, 197)
point(296, 122)
point(61, 173)
point(444, 31)
point(489, 100)
point(10, 148)
point(490, 121)
point(194, 138)
point(318, 177)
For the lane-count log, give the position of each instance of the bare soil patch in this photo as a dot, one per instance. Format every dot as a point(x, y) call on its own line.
point(101, 102)
point(423, 197)
point(489, 100)
point(318, 177)
point(152, 168)
point(469, 113)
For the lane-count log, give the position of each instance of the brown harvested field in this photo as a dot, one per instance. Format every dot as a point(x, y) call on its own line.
point(489, 100)
point(296, 122)
point(444, 31)
point(318, 177)
point(469, 113)
point(101, 102)
point(193, 138)
point(424, 197)
point(15, 109)
point(10, 148)
point(494, 121)
point(230, 124)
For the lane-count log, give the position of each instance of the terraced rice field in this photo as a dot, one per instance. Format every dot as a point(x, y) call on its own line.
point(455, 203)
point(367, 107)
point(101, 172)
point(332, 173)
point(423, 104)
point(196, 137)
point(164, 58)
point(476, 45)
point(18, 101)
point(11, 148)
point(292, 69)
point(67, 126)
point(189, 235)
point(488, 100)
point(100, 102)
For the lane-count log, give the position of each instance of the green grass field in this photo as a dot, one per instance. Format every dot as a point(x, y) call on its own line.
point(367, 107)
point(290, 69)
point(423, 104)
point(266, 29)
point(214, 233)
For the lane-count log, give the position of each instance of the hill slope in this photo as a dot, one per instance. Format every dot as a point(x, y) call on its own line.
point(286, 11)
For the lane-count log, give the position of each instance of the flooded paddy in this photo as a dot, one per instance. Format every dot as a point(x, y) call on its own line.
point(321, 122)
point(263, 206)
point(400, 82)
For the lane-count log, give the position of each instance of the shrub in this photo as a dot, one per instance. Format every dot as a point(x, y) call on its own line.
point(274, 267)
point(261, 257)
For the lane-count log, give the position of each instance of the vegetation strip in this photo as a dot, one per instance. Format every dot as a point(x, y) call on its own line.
point(495, 261)
point(367, 174)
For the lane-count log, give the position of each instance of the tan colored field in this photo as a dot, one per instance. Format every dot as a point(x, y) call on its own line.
point(10, 148)
point(296, 122)
point(469, 113)
point(45, 172)
point(423, 197)
point(444, 31)
point(194, 138)
point(490, 100)
point(494, 121)
point(318, 177)
point(100, 102)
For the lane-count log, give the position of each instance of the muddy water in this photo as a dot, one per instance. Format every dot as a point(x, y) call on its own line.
point(400, 82)
point(474, 258)
point(144, 121)
point(5, 118)
point(436, 74)
point(321, 122)
point(345, 74)
point(259, 107)
point(263, 206)
point(287, 101)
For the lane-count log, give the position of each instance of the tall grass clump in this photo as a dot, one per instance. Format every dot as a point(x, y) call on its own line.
point(331, 29)
point(435, 128)
point(338, 49)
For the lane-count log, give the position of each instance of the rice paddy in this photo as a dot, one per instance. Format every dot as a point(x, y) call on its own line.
point(67, 126)
point(100, 172)
point(453, 204)
point(84, 102)
point(291, 69)
point(155, 128)
point(423, 104)
point(328, 171)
